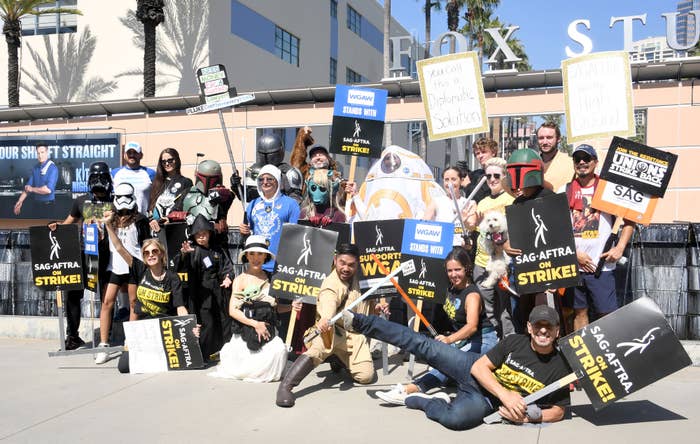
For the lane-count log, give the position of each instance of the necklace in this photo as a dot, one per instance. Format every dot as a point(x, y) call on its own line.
point(160, 276)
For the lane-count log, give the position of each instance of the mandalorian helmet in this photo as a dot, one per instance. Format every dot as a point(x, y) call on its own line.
point(524, 169)
point(100, 179)
point(208, 176)
point(270, 150)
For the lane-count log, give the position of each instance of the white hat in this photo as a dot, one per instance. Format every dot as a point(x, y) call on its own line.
point(133, 146)
point(255, 243)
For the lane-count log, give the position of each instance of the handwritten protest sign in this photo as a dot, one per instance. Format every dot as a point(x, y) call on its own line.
point(453, 95)
point(598, 96)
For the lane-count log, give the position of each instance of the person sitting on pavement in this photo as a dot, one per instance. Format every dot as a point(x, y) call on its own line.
point(516, 367)
point(470, 329)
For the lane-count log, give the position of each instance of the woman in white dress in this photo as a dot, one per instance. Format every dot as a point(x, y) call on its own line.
point(255, 353)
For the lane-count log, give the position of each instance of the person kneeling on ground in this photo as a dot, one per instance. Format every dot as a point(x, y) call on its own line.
point(338, 290)
point(515, 367)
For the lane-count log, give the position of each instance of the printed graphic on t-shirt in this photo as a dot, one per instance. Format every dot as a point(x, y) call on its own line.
point(451, 306)
point(586, 222)
point(152, 297)
point(515, 376)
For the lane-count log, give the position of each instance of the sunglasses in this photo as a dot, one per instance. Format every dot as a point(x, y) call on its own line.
point(585, 158)
point(167, 161)
point(153, 252)
point(496, 176)
point(266, 179)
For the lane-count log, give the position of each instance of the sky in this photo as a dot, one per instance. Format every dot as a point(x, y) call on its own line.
point(543, 24)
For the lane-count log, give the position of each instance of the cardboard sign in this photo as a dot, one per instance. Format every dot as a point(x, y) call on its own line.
point(623, 352)
point(343, 230)
point(56, 257)
point(453, 95)
point(542, 229)
point(638, 166)
point(383, 238)
point(625, 202)
point(598, 96)
point(358, 121)
point(426, 243)
point(163, 344)
point(213, 84)
point(304, 260)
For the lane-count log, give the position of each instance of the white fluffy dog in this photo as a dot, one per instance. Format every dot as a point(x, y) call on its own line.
point(495, 230)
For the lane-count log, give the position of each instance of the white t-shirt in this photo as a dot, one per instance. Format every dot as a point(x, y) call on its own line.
point(592, 228)
point(141, 179)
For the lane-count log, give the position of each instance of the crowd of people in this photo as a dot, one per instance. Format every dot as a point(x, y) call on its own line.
point(496, 346)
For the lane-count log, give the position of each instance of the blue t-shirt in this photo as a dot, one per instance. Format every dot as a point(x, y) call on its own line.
point(44, 174)
point(266, 218)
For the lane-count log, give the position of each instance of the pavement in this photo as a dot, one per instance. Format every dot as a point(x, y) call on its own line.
point(70, 399)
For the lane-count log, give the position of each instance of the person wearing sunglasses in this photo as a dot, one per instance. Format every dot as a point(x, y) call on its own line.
point(266, 214)
point(495, 301)
point(592, 229)
point(168, 190)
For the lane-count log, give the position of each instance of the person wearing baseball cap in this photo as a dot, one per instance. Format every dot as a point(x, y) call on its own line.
point(594, 234)
point(133, 173)
point(517, 366)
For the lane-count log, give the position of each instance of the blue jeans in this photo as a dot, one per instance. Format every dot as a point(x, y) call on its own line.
point(469, 407)
point(479, 343)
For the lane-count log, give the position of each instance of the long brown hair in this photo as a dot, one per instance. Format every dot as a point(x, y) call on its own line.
point(158, 184)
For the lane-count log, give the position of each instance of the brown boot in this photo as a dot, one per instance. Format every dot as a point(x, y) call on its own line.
point(298, 371)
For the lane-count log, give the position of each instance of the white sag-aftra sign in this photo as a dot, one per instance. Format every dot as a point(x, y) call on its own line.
point(598, 96)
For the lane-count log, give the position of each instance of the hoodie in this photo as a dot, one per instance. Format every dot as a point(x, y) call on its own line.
point(266, 216)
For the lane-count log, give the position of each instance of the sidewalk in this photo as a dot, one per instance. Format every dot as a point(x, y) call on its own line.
point(69, 399)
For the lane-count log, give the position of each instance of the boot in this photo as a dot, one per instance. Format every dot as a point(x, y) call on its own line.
point(298, 371)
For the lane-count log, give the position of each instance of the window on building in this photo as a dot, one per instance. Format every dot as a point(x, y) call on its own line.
point(52, 23)
point(333, 71)
point(286, 46)
point(334, 8)
point(354, 21)
point(352, 76)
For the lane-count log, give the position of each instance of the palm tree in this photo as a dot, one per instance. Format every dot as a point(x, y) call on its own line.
point(59, 76)
point(11, 12)
point(515, 44)
point(181, 47)
point(478, 16)
point(150, 13)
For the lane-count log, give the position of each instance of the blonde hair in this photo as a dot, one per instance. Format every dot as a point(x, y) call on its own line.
point(148, 242)
point(497, 162)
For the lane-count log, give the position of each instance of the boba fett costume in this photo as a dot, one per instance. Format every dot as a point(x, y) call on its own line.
point(209, 198)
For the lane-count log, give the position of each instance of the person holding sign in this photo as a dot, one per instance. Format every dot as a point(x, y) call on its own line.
point(442, 207)
point(592, 231)
point(154, 291)
point(470, 331)
point(526, 183)
point(338, 291)
point(514, 368)
point(255, 353)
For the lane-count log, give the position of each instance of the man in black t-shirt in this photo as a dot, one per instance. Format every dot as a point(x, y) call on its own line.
point(87, 209)
point(515, 367)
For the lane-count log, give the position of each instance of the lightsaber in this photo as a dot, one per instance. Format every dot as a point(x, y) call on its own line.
point(315, 332)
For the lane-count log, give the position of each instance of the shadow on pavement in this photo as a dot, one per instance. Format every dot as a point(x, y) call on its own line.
point(629, 412)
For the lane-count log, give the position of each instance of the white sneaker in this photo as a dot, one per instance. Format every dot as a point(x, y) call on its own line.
point(102, 357)
point(395, 396)
point(439, 395)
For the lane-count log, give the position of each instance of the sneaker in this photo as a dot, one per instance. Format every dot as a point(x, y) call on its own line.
point(74, 343)
point(102, 357)
point(439, 395)
point(396, 395)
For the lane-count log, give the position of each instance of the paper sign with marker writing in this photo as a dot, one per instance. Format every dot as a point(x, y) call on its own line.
point(598, 96)
point(453, 95)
